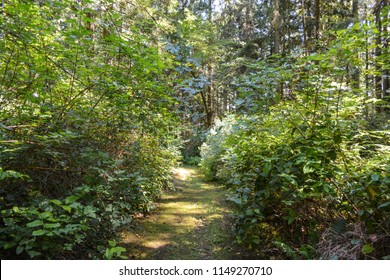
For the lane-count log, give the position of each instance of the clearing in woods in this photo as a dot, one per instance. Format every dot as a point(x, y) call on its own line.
point(191, 222)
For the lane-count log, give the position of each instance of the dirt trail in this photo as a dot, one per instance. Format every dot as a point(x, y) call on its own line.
point(189, 223)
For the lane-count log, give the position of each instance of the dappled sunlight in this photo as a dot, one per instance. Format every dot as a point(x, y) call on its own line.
point(215, 216)
point(188, 222)
point(182, 173)
point(180, 206)
point(155, 244)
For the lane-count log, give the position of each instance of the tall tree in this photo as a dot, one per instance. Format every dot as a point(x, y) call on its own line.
point(276, 26)
point(355, 76)
point(385, 49)
point(317, 18)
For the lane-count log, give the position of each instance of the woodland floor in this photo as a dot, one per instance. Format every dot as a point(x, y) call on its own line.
point(192, 222)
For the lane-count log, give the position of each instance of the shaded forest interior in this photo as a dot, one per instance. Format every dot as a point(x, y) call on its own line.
point(283, 103)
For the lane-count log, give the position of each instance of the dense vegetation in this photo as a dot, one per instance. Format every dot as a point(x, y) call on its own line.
point(87, 135)
point(285, 102)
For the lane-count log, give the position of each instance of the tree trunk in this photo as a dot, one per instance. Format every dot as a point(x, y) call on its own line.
point(309, 24)
point(317, 17)
point(355, 77)
point(210, 10)
point(248, 19)
point(355, 8)
point(385, 33)
point(304, 23)
point(378, 48)
point(210, 99)
point(276, 23)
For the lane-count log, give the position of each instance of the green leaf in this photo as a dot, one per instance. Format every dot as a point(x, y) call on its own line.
point(71, 199)
point(39, 232)
point(316, 57)
point(267, 167)
point(45, 215)
point(307, 169)
point(19, 250)
point(375, 177)
point(54, 225)
point(9, 245)
point(291, 220)
point(384, 205)
point(239, 102)
point(67, 208)
point(35, 223)
point(249, 212)
point(326, 188)
point(33, 254)
point(56, 201)
point(236, 200)
point(118, 250)
point(367, 249)
point(75, 205)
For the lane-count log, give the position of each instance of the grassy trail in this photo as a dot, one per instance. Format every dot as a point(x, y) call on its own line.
point(189, 223)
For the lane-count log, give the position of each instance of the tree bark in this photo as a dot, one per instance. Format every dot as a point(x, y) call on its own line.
point(378, 48)
point(355, 77)
point(304, 23)
point(309, 23)
point(248, 19)
point(385, 32)
point(276, 23)
point(317, 11)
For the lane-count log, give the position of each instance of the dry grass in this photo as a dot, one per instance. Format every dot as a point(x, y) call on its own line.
point(346, 245)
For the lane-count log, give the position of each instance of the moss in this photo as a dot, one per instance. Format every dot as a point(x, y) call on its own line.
point(189, 223)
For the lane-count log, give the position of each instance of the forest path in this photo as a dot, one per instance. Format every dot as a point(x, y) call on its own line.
point(191, 222)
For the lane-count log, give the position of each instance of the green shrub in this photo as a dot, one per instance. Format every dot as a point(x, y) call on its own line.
point(47, 216)
point(290, 181)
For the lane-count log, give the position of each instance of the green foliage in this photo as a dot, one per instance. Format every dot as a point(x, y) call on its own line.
point(310, 158)
point(213, 149)
point(192, 161)
point(47, 227)
point(86, 126)
point(92, 92)
point(113, 251)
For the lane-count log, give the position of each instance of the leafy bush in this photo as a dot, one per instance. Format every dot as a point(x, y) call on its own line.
point(311, 159)
point(212, 150)
point(192, 161)
point(291, 186)
point(85, 128)
point(48, 228)
point(46, 216)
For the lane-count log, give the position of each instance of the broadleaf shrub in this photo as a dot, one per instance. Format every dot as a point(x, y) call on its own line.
point(307, 162)
point(86, 125)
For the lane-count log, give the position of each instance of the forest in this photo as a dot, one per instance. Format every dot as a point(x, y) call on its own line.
point(278, 111)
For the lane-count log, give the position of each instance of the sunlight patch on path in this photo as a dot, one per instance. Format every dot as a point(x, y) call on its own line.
point(188, 223)
point(182, 173)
